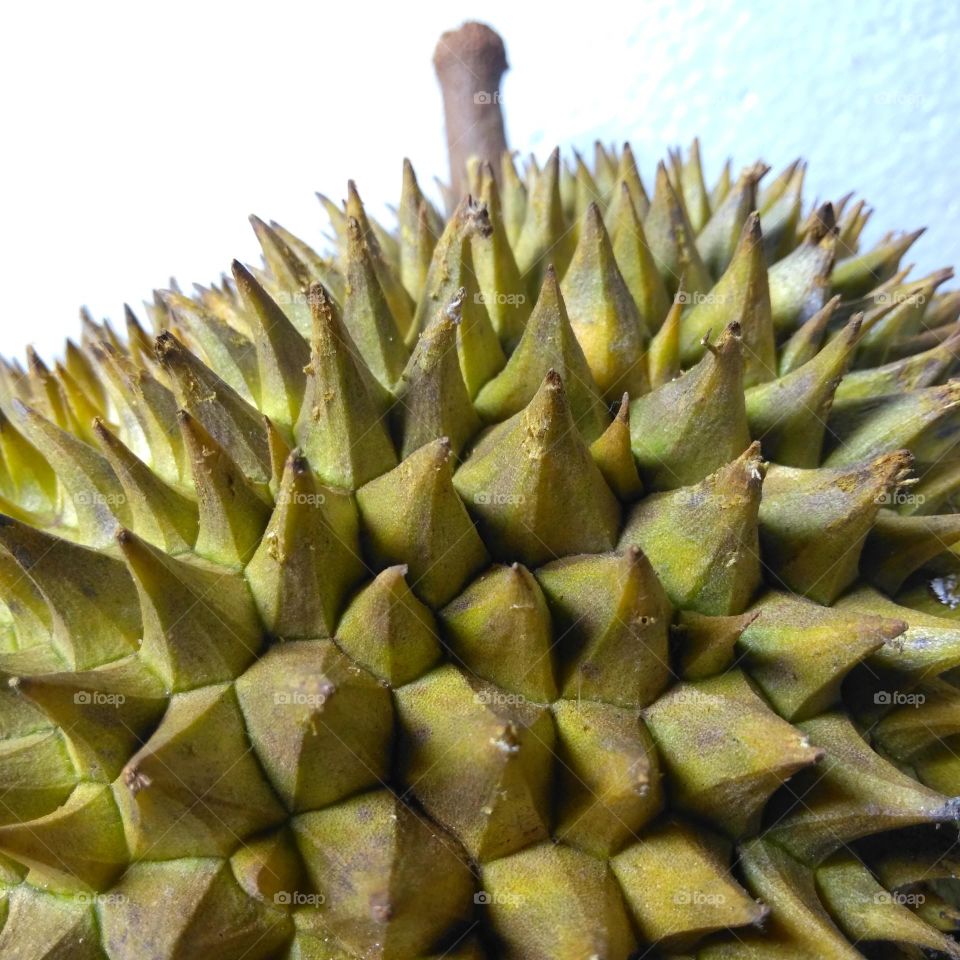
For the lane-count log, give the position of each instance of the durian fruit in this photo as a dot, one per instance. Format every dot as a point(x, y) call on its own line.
point(472, 592)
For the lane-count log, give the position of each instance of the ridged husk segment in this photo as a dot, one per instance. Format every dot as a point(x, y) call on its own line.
point(574, 575)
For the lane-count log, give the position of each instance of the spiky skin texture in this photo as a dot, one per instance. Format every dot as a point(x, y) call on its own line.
point(549, 581)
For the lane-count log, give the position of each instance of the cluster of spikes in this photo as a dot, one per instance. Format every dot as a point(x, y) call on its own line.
point(570, 577)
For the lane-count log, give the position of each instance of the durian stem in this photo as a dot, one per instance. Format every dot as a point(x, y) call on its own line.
point(470, 62)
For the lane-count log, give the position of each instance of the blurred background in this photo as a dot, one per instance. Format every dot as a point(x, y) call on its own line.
point(137, 139)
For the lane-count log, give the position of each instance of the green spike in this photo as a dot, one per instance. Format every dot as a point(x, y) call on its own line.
point(223, 413)
point(741, 296)
point(866, 911)
point(233, 512)
point(160, 514)
point(432, 399)
point(922, 369)
point(26, 605)
point(504, 293)
point(366, 312)
point(853, 793)
point(514, 199)
point(724, 750)
point(340, 428)
point(369, 856)
point(96, 495)
point(225, 348)
point(451, 270)
point(32, 481)
point(79, 366)
point(281, 351)
point(413, 515)
point(720, 235)
point(383, 253)
point(935, 488)
point(207, 915)
point(931, 645)
point(813, 523)
point(866, 429)
point(609, 775)
point(387, 630)
point(663, 357)
point(929, 715)
point(521, 476)
point(799, 652)
point(856, 276)
point(799, 283)
point(636, 263)
point(41, 924)
point(195, 788)
point(291, 277)
point(499, 628)
point(900, 314)
point(102, 713)
point(218, 639)
point(94, 613)
point(586, 189)
point(544, 238)
point(798, 927)
point(702, 539)
point(704, 646)
point(897, 545)
point(691, 426)
point(678, 887)
point(320, 269)
point(671, 239)
point(627, 173)
point(696, 200)
point(418, 233)
point(613, 625)
point(309, 557)
point(321, 727)
point(548, 343)
point(77, 847)
point(554, 901)
point(38, 775)
point(480, 764)
point(603, 314)
point(612, 454)
point(805, 343)
point(146, 409)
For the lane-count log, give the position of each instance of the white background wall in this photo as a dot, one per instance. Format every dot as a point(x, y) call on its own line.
point(136, 139)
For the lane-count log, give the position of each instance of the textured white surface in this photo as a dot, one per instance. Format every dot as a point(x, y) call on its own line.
point(136, 140)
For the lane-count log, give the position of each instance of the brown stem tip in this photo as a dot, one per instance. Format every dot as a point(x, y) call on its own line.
point(470, 62)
